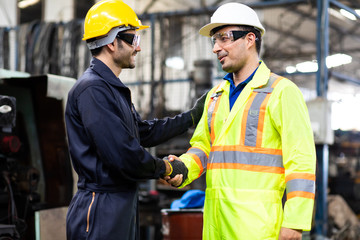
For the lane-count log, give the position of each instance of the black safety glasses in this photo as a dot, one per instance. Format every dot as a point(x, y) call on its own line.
point(129, 38)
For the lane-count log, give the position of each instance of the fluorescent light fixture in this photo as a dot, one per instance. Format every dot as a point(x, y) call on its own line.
point(27, 3)
point(347, 14)
point(336, 14)
point(306, 67)
point(175, 62)
point(290, 69)
point(335, 60)
point(338, 60)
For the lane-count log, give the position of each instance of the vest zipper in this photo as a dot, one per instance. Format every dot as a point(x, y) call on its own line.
point(88, 215)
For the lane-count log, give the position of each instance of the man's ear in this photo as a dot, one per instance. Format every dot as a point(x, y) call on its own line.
point(251, 38)
point(111, 46)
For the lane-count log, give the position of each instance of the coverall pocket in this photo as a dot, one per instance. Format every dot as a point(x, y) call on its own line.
point(246, 220)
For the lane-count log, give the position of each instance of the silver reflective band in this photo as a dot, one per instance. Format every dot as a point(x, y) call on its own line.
point(252, 122)
point(201, 155)
point(211, 108)
point(109, 38)
point(303, 185)
point(248, 158)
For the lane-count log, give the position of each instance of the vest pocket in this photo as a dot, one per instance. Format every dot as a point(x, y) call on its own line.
point(89, 211)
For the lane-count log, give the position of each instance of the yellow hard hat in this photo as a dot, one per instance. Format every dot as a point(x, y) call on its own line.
point(107, 14)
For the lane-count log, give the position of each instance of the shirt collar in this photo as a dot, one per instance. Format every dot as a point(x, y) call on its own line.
point(230, 77)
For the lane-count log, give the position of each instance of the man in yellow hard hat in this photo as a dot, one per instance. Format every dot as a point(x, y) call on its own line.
point(107, 136)
point(254, 140)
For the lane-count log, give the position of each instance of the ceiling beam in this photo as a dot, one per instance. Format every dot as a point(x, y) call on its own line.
point(212, 9)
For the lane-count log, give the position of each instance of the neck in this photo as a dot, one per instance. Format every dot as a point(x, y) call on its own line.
point(108, 62)
point(245, 71)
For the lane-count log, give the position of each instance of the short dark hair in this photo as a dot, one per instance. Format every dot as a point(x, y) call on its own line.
point(244, 28)
point(96, 51)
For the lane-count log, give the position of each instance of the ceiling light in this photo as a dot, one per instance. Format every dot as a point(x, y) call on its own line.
point(175, 62)
point(27, 3)
point(338, 60)
point(334, 60)
point(306, 67)
point(336, 14)
point(348, 14)
point(290, 69)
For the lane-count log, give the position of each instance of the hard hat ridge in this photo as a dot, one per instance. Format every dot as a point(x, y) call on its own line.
point(233, 14)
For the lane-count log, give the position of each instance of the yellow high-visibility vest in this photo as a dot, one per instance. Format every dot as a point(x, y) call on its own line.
point(251, 154)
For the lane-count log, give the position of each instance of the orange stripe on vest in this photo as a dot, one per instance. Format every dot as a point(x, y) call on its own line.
point(300, 194)
point(308, 176)
point(246, 167)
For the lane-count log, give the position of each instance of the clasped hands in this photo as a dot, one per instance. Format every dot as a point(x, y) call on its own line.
point(176, 171)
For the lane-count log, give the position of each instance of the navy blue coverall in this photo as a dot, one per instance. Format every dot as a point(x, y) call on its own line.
point(106, 142)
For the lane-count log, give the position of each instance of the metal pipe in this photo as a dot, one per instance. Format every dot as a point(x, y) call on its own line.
point(321, 214)
point(340, 5)
point(152, 71)
point(150, 82)
point(322, 43)
point(344, 77)
point(210, 10)
point(322, 150)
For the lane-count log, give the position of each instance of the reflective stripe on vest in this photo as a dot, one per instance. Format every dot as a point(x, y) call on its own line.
point(212, 109)
point(250, 161)
point(300, 185)
point(200, 157)
point(248, 155)
point(255, 112)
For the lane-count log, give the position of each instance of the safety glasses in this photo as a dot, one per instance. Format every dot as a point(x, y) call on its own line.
point(129, 38)
point(225, 38)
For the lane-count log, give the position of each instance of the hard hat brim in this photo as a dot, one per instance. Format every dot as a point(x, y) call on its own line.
point(206, 30)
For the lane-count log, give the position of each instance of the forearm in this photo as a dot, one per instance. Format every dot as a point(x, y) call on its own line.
point(157, 131)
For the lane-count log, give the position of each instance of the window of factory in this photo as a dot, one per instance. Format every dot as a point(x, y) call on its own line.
point(30, 10)
point(81, 8)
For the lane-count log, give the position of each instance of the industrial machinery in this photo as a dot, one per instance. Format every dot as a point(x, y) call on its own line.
point(18, 182)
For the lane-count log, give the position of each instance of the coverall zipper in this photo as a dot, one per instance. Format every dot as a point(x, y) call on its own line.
point(88, 215)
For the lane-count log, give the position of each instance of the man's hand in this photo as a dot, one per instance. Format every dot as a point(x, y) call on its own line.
point(176, 181)
point(198, 108)
point(179, 172)
point(290, 234)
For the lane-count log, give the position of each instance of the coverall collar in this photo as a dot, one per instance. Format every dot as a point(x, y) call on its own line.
point(103, 70)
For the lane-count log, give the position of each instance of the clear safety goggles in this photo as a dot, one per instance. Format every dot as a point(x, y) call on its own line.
point(224, 38)
point(129, 38)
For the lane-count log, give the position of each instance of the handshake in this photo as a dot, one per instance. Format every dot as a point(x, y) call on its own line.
point(176, 171)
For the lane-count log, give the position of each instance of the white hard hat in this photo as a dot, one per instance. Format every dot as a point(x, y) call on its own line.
point(233, 14)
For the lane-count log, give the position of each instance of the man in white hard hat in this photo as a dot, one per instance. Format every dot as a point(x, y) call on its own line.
point(254, 140)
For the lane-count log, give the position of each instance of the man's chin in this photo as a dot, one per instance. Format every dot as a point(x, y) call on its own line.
point(226, 69)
